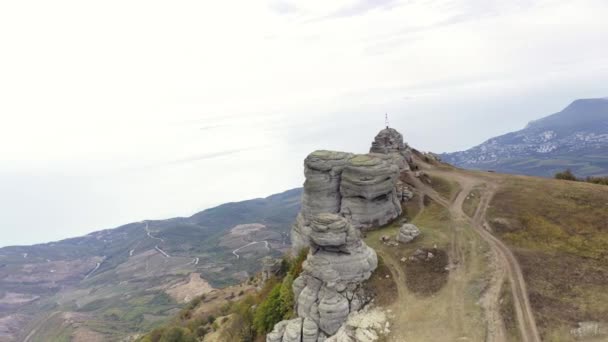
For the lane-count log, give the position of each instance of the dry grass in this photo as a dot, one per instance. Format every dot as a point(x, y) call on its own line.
point(559, 233)
point(451, 311)
point(446, 188)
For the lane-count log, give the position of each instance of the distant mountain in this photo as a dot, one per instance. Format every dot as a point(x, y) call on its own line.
point(575, 138)
point(117, 282)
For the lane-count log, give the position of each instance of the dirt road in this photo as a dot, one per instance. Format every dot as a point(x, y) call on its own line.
point(506, 262)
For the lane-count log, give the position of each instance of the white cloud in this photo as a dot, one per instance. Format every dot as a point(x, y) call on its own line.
point(119, 85)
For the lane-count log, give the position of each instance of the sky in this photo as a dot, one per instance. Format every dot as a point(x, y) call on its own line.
point(117, 111)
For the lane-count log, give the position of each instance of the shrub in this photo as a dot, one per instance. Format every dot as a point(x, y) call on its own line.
point(566, 175)
point(177, 334)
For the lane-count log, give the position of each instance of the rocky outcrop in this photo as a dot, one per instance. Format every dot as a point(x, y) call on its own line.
point(364, 326)
point(390, 142)
point(369, 192)
point(407, 233)
point(323, 172)
point(359, 187)
point(329, 288)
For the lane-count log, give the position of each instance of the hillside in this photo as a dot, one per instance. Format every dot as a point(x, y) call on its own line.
point(117, 282)
point(575, 138)
point(499, 258)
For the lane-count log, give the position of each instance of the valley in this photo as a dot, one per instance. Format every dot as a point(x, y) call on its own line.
point(119, 282)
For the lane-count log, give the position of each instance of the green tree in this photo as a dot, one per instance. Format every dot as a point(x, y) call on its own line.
point(565, 175)
point(269, 312)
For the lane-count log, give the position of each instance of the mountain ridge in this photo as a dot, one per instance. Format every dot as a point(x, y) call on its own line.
point(137, 273)
point(575, 138)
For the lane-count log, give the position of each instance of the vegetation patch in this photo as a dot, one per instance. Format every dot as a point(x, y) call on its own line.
point(507, 312)
point(558, 233)
point(382, 288)
point(446, 188)
point(246, 318)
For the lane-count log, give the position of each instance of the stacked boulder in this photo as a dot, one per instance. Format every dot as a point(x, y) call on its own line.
point(330, 286)
point(407, 233)
point(390, 142)
point(359, 187)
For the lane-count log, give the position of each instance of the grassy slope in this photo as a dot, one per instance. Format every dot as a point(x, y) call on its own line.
point(559, 234)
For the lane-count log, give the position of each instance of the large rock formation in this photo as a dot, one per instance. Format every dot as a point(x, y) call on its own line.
point(369, 191)
point(329, 288)
point(359, 187)
point(323, 171)
point(390, 142)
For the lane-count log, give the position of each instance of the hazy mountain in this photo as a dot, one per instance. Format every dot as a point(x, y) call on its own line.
point(118, 281)
point(575, 138)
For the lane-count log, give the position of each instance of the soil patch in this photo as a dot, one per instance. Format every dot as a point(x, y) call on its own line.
point(426, 271)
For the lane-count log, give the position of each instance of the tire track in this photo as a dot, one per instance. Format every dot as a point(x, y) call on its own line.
point(507, 261)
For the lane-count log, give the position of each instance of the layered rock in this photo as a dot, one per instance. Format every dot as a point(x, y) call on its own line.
point(390, 142)
point(369, 192)
point(329, 288)
point(407, 233)
point(323, 171)
point(359, 187)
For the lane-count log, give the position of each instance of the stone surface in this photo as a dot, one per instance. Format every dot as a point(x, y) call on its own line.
point(390, 142)
point(587, 330)
point(407, 233)
point(362, 188)
point(368, 190)
point(329, 287)
point(364, 326)
point(323, 171)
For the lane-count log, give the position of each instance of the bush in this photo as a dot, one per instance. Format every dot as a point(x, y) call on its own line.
point(177, 334)
point(566, 175)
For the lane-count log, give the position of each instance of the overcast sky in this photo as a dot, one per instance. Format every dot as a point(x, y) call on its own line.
point(117, 111)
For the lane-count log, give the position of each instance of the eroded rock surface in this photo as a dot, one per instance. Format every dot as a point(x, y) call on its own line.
point(323, 172)
point(407, 233)
point(363, 326)
point(329, 288)
point(390, 142)
point(362, 188)
point(369, 191)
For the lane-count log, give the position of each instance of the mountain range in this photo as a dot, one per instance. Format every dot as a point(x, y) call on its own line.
point(117, 282)
point(576, 138)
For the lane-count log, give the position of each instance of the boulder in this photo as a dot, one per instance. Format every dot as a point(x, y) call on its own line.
point(368, 190)
point(407, 233)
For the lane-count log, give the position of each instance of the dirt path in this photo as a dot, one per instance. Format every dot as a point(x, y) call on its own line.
point(506, 262)
point(266, 245)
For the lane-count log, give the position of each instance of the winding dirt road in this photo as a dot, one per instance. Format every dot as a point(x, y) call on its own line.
point(507, 264)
